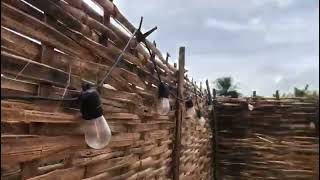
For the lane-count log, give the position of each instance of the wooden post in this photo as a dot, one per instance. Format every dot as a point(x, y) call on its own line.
point(179, 116)
point(277, 95)
point(167, 58)
point(215, 138)
point(214, 93)
point(210, 102)
point(195, 93)
point(254, 94)
point(209, 93)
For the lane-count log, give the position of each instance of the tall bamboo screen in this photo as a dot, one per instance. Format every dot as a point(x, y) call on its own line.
point(196, 141)
point(66, 44)
point(273, 141)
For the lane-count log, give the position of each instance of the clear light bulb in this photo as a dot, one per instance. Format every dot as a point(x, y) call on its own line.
point(163, 106)
point(312, 125)
point(210, 107)
point(202, 121)
point(250, 107)
point(97, 132)
point(191, 112)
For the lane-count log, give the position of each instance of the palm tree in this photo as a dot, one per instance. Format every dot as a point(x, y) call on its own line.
point(225, 87)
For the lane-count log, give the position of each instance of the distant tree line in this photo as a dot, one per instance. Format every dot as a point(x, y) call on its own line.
point(225, 86)
point(304, 92)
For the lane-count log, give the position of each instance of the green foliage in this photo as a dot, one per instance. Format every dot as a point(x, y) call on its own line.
point(225, 87)
point(302, 93)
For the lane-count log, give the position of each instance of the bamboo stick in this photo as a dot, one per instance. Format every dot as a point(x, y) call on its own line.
point(113, 10)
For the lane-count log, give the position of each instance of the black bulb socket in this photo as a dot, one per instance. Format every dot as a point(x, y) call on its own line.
point(199, 113)
point(163, 91)
point(189, 103)
point(90, 103)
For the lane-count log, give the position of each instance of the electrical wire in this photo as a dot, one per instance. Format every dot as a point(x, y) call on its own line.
point(118, 60)
point(65, 89)
point(68, 83)
point(175, 96)
point(20, 72)
point(6, 97)
point(152, 57)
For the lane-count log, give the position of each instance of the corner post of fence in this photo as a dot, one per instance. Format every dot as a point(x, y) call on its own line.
point(211, 112)
point(167, 58)
point(215, 134)
point(254, 95)
point(214, 93)
point(179, 115)
point(277, 95)
point(209, 93)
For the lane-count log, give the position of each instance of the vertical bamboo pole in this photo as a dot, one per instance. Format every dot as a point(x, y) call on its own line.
point(214, 93)
point(213, 157)
point(196, 94)
point(215, 138)
point(254, 94)
point(209, 93)
point(277, 95)
point(179, 115)
point(167, 58)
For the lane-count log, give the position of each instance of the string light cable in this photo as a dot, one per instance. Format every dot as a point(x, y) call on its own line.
point(139, 38)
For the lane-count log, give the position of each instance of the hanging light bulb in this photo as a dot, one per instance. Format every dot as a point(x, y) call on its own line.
point(210, 107)
point(202, 121)
point(163, 106)
point(190, 108)
point(96, 129)
point(250, 107)
point(312, 125)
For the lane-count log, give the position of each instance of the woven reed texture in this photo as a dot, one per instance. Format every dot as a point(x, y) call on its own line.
point(43, 140)
point(196, 140)
point(275, 140)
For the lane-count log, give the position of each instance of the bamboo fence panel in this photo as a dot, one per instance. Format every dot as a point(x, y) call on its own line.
point(196, 151)
point(274, 141)
point(40, 140)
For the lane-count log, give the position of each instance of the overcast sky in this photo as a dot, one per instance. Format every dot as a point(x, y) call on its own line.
point(263, 44)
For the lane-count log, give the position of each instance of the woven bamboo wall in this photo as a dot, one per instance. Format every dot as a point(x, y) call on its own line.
point(196, 140)
point(274, 141)
point(43, 140)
